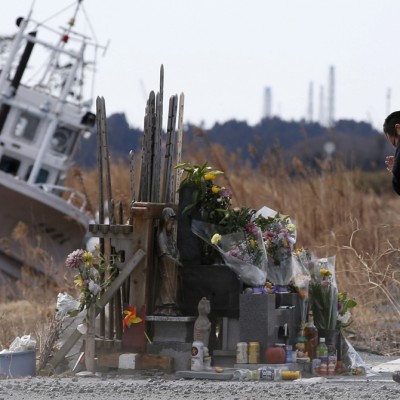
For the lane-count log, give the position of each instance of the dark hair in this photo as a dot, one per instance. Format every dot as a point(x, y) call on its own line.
point(390, 122)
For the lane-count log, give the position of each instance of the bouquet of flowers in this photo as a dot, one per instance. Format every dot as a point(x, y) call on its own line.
point(210, 200)
point(279, 235)
point(242, 251)
point(324, 293)
point(94, 274)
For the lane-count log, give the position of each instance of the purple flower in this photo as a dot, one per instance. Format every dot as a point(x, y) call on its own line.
point(225, 193)
point(252, 228)
point(74, 259)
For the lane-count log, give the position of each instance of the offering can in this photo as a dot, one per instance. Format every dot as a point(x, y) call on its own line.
point(241, 353)
point(254, 353)
point(197, 363)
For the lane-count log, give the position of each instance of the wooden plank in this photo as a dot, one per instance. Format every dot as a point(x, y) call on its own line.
point(150, 210)
point(178, 158)
point(109, 360)
point(169, 149)
point(132, 175)
point(106, 157)
point(156, 167)
point(117, 282)
point(142, 361)
point(154, 361)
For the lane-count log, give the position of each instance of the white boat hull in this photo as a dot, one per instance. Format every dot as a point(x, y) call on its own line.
point(53, 225)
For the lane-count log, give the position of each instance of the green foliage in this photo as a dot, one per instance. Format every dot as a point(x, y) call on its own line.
point(211, 200)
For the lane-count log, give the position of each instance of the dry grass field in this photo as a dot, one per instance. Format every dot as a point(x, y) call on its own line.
point(346, 213)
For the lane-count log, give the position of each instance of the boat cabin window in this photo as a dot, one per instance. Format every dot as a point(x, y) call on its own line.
point(9, 164)
point(26, 127)
point(63, 140)
point(41, 177)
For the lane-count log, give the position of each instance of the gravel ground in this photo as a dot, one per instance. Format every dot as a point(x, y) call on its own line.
point(152, 385)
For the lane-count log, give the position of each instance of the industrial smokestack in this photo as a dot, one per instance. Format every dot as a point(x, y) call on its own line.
point(331, 98)
point(267, 112)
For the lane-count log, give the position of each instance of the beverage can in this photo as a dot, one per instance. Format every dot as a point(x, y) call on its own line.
point(254, 352)
point(241, 353)
point(197, 356)
point(254, 375)
point(241, 375)
point(290, 375)
point(268, 373)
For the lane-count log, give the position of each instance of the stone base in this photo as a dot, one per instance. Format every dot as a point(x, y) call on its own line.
point(289, 366)
point(212, 375)
point(179, 352)
point(263, 317)
point(224, 358)
point(172, 329)
point(230, 333)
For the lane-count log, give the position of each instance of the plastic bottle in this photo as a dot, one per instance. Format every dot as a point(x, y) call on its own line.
point(322, 354)
point(289, 353)
point(332, 360)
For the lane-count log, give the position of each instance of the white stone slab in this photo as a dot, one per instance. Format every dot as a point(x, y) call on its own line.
point(390, 366)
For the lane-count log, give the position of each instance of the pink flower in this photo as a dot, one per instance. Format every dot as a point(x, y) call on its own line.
point(74, 259)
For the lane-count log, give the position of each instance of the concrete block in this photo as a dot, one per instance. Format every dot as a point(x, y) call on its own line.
point(262, 318)
point(230, 333)
point(212, 375)
point(224, 358)
point(172, 329)
point(127, 361)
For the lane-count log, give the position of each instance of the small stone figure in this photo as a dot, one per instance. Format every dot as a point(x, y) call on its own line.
point(202, 325)
point(168, 263)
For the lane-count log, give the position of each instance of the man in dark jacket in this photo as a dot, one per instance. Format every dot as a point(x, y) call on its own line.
point(391, 127)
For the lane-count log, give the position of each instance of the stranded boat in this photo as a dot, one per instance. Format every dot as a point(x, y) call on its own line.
point(43, 113)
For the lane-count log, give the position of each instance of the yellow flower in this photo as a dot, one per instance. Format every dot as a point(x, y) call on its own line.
point(325, 272)
point(291, 227)
point(285, 243)
point(252, 243)
point(216, 239)
point(78, 280)
point(88, 258)
point(209, 177)
point(215, 189)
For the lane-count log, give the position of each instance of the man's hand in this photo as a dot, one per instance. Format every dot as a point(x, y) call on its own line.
point(389, 163)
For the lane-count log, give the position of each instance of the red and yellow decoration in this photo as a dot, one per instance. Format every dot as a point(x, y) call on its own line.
point(130, 317)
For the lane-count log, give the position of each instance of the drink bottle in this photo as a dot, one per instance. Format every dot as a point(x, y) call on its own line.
point(322, 354)
point(311, 335)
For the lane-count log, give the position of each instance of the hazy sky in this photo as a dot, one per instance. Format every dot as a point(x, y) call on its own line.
point(223, 53)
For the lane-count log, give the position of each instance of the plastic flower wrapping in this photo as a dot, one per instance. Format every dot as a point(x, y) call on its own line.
point(279, 234)
point(258, 250)
point(323, 292)
point(242, 251)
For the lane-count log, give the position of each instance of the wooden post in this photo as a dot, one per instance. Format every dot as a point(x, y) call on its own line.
point(130, 265)
point(90, 339)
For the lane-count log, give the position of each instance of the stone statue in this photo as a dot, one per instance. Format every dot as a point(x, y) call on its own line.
point(202, 325)
point(168, 264)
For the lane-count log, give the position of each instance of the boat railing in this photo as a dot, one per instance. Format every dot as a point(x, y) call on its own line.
point(74, 197)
